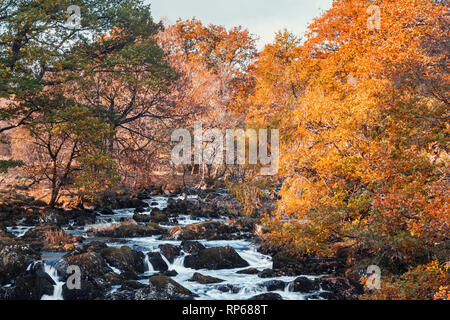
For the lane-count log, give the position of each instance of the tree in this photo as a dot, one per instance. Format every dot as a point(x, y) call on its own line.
point(36, 47)
point(363, 115)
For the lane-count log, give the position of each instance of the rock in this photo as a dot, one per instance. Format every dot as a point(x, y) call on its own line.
point(95, 246)
point(267, 273)
point(157, 261)
point(274, 285)
point(267, 297)
point(132, 285)
point(305, 285)
point(210, 230)
point(142, 218)
point(49, 238)
point(340, 288)
point(248, 271)
point(139, 209)
point(159, 216)
point(92, 264)
point(304, 264)
point(130, 230)
point(89, 291)
point(215, 259)
point(165, 288)
point(192, 247)
point(33, 284)
point(125, 259)
point(7, 293)
point(169, 273)
point(15, 257)
point(106, 212)
point(170, 251)
point(228, 288)
point(197, 277)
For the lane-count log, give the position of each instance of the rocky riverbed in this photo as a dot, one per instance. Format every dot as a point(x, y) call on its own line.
point(155, 247)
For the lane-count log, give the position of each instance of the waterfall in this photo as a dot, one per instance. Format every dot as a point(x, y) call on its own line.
point(115, 270)
point(166, 261)
point(148, 265)
point(289, 288)
point(57, 291)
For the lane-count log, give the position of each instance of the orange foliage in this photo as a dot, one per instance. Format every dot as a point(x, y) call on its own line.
point(363, 117)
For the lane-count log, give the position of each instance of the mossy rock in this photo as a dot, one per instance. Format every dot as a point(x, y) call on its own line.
point(166, 284)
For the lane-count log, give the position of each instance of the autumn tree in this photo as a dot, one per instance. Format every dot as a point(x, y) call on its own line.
point(363, 113)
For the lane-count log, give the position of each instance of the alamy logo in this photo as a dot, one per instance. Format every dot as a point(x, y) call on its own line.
point(74, 21)
point(213, 147)
point(374, 278)
point(74, 278)
point(374, 21)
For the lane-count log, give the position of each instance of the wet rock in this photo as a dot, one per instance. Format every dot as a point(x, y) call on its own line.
point(139, 209)
point(248, 271)
point(124, 259)
point(292, 264)
point(158, 216)
point(215, 259)
point(132, 285)
point(170, 251)
point(142, 218)
point(49, 238)
point(157, 261)
point(15, 257)
point(169, 273)
point(305, 285)
point(340, 288)
point(33, 284)
point(192, 247)
point(197, 277)
point(89, 291)
point(106, 212)
point(210, 230)
point(274, 285)
point(7, 293)
point(164, 288)
point(91, 264)
point(267, 297)
point(228, 288)
point(95, 246)
point(130, 230)
point(267, 273)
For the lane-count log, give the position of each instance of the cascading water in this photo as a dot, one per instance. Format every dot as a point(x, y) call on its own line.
point(148, 266)
point(57, 291)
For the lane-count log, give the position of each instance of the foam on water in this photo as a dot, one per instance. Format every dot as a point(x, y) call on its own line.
point(57, 291)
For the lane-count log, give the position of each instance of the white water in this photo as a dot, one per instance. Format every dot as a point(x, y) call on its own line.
point(148, 266)
point(57, 291)
point(244, 285)
point(115, 270)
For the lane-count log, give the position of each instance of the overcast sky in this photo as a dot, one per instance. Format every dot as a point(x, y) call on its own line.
point(262, 17)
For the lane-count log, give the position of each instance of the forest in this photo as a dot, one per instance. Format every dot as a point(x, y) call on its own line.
point(354, 115)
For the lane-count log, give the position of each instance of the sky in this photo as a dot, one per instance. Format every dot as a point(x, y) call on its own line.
point(262, 17)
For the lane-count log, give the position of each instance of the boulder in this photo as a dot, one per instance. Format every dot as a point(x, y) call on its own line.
point(33, 284)
point(124, 259)
point(215, 259)
point(305, 285)
point(340, 288)
point(197, 277)
point(15, 257)
point(248, 271)
point(130, 230)
point(164, 288)
point(170, 251)
point(157, 261)
point(274, 285)
point(267, 297)
point(192, 247)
